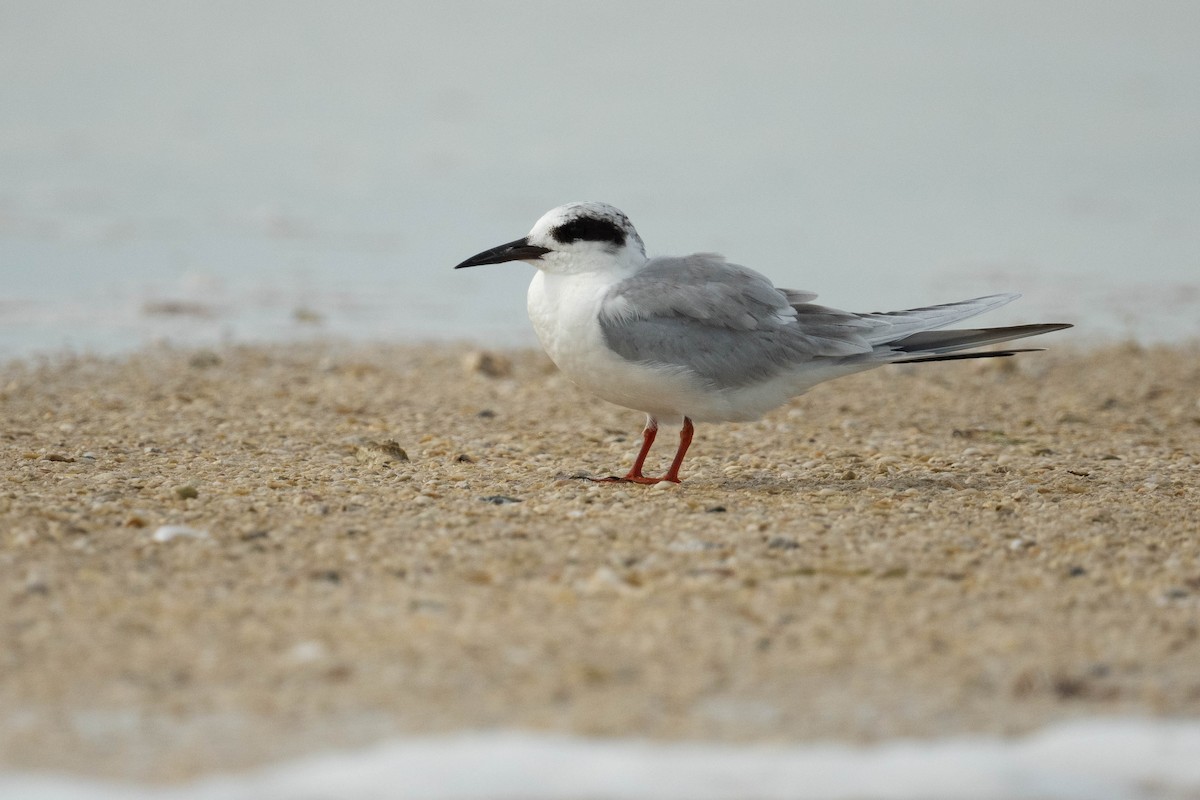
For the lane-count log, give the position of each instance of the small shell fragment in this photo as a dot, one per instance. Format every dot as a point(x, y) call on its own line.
point(165, 533)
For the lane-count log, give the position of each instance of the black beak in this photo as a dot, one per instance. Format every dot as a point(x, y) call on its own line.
point(520, 250)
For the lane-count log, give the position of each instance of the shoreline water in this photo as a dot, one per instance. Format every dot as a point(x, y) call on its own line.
point(1103, 759)
point(215, 313)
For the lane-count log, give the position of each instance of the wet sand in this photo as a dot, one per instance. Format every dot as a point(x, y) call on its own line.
point(212, 559)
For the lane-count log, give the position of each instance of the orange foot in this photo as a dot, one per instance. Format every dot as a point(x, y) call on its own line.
point(642, 479)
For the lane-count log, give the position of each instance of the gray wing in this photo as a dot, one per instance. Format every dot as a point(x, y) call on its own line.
point(724, 322)
point(730, 326)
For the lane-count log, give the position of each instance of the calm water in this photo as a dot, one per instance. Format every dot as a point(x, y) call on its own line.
point(200, 172)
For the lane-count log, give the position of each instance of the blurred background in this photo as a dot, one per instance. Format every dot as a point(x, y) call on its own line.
point(247, 171)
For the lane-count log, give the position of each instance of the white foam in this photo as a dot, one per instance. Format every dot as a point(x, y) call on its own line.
point(1088, 760)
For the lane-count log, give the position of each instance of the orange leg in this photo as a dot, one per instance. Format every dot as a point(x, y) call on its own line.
point(648, 434)
point(685, 441)
point(635, 474)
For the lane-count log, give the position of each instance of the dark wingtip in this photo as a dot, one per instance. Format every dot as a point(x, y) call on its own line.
point(963, 356)
point(940, 342)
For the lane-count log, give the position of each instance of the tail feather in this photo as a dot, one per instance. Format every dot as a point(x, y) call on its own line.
point(940, 342)
point(963, 356)
point(893, 325)
point(917, 334)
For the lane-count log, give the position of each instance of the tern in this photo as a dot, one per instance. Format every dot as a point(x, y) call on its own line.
point(703, 340)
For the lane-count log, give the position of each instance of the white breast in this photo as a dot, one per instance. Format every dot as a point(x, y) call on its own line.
point(565, 311)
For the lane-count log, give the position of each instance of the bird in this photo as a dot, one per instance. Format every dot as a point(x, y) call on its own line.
point(699, 339)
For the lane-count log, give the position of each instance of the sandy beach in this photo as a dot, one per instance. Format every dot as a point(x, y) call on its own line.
point(214, 559)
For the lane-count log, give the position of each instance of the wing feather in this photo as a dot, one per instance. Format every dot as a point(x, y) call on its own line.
point(731, 326)
point(724, 322)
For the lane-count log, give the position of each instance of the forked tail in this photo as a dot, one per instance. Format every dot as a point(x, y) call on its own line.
point(945, 345)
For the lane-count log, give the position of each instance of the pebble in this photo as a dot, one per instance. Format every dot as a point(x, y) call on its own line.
point(488, 364)
point(306, 652)
point(500, 499)
point(388, 451)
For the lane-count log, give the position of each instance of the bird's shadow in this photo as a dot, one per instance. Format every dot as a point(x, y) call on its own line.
point(767, 483)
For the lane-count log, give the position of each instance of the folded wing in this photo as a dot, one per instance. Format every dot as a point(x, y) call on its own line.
point(732, 327)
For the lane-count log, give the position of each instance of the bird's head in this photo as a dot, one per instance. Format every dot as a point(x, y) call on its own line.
point(575, 238)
